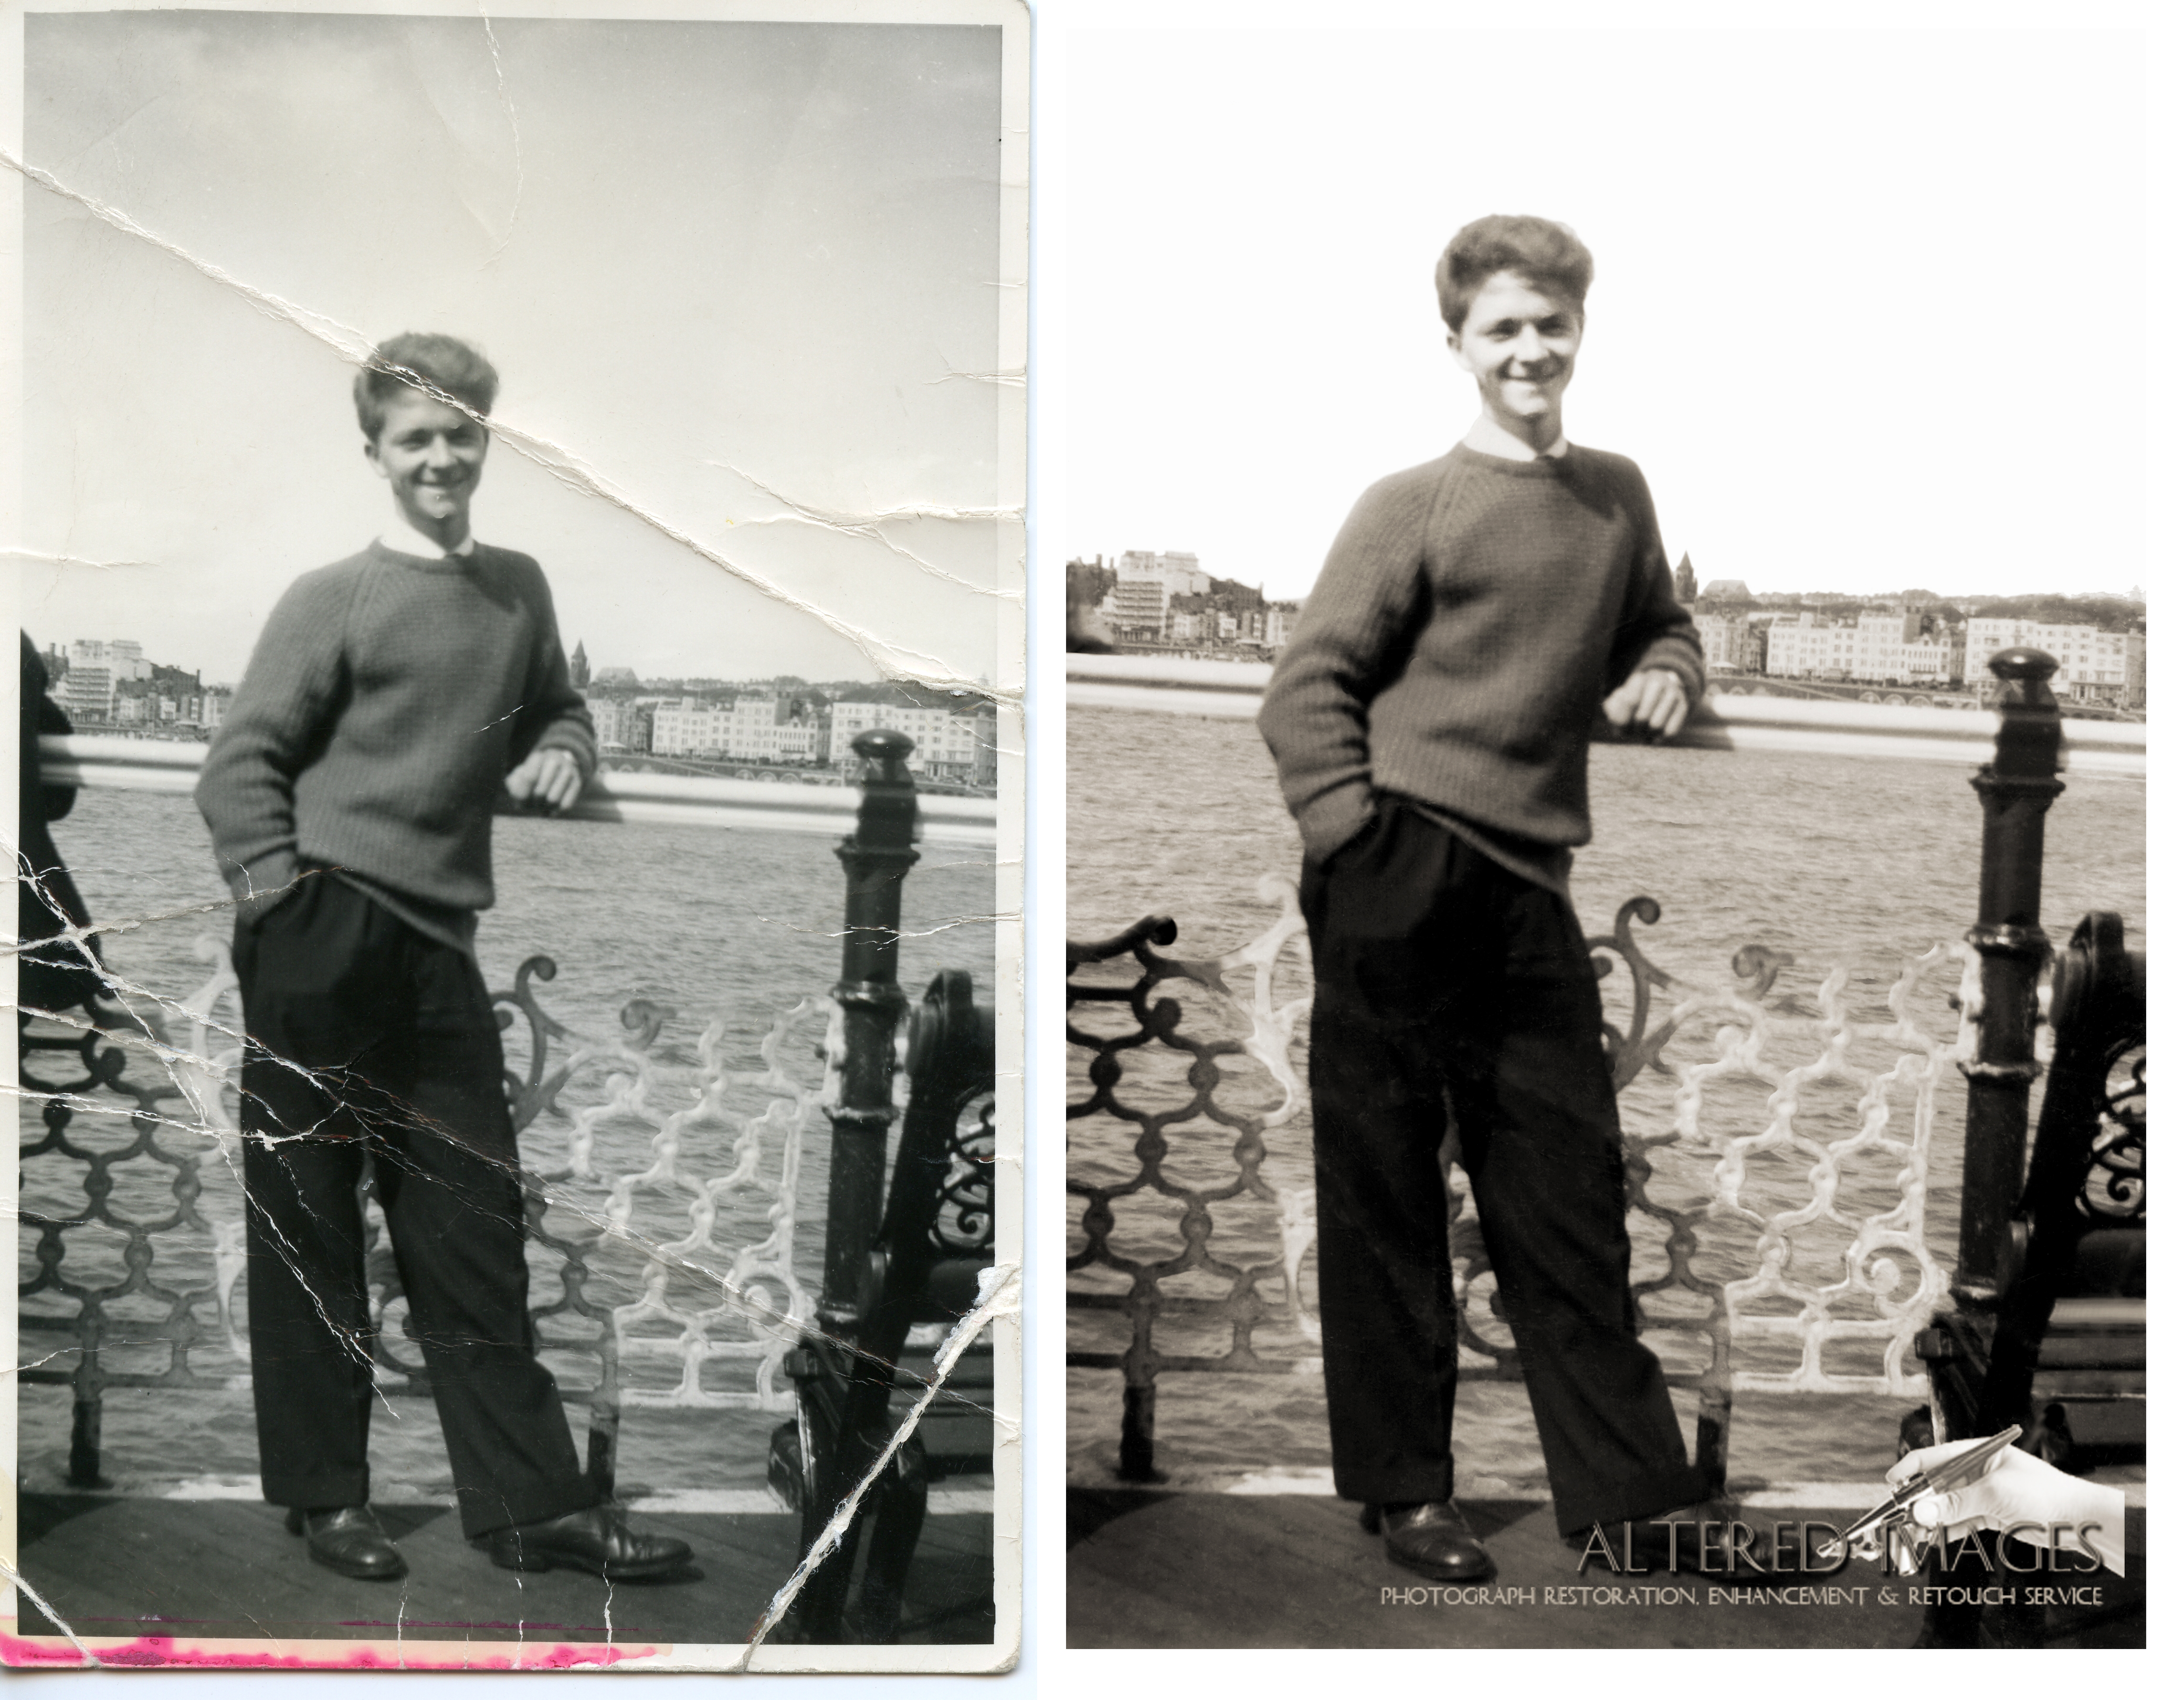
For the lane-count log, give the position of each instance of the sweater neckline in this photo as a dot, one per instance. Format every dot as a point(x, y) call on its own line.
point(1540, 467)
point(426, 563)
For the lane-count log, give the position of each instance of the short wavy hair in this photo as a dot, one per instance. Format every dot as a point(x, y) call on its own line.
point(1547, 254)
point(447, 363)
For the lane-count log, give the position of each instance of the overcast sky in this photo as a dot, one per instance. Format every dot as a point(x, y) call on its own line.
point(1869, 309)
point(709, 259)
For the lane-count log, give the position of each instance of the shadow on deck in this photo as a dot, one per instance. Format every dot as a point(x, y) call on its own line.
point(1150, 1569)
point(200, 1569)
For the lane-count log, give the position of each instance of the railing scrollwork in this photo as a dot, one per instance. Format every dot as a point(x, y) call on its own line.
point(1824, 1275)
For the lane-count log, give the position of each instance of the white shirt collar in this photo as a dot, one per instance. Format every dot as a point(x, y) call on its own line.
point(1487, 437)
point(404, 541)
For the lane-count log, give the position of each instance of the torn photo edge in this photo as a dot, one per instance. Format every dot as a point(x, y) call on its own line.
point(998, 1309)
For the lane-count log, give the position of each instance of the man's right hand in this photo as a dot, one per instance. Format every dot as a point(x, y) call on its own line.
point(549, 779)
point(1650, 704)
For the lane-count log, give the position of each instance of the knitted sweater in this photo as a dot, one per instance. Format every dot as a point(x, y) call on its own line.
point(386, 700)
point(1472, 615)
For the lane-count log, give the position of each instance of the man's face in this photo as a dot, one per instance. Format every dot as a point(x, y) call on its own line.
point(1521, 344)
point(432, 454)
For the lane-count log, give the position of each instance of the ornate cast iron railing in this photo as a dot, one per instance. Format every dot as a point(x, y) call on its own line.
point(1777, 1290)
point(1186, 1234)
point(144, 1185)
point(618, 1259)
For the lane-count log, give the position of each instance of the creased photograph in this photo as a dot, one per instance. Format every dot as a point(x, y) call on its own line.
point(517, 546)
point(1608, 681)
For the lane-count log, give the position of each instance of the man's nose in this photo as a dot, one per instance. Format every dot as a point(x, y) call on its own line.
point(439, 453)
point(1529, 345)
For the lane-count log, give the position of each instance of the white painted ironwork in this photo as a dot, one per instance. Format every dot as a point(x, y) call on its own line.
point(1811, 1271)
point(146, 1137)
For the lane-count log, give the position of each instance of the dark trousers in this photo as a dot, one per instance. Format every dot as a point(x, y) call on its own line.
point(1445, 983)
point(366, 1035)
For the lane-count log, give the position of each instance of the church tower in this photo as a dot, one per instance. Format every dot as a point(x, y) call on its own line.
point(580, 669)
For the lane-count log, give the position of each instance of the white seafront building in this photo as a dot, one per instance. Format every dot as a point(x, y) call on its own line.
point(2091, 666)
point(98, 681)
point(768, 728)
point(951, 744)
point(618, 722)
point(95, 668)
point(1880, 647)
point(1146, 584)
point(1732, 642)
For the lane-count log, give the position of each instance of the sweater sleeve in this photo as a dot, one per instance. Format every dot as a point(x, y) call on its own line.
point(553, 715)
point(1351, 641)
point(1655, 629)
point(280, 718)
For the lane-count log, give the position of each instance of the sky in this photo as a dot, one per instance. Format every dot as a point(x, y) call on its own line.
point(732, 272)
point(1869, 310)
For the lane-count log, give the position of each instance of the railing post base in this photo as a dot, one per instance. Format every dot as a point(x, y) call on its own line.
point(600, 1445)
point(1136, 1463)
point(1712, 1448)
point(84, 1444)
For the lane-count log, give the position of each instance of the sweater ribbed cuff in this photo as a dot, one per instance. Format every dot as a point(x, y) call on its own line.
point(580, 746)
point(1672, 656)
point(1333, 818)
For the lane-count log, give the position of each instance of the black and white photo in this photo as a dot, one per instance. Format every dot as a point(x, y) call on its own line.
point(519, 554)
point(1605, 987)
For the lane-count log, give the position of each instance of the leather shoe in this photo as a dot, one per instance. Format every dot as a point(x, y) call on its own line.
point(1431, 1539)
point(1653, 1544)
point(597, 1541)
point(348, 1539)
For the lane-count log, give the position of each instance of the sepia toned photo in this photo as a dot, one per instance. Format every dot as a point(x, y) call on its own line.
point(1607, 687)
point(517, 546)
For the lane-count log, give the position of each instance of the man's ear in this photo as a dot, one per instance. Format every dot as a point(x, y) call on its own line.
point(371, 453)
point(1455, 347)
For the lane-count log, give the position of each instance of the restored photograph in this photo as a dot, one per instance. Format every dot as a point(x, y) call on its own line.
point(1606, 983)
point(519, 839)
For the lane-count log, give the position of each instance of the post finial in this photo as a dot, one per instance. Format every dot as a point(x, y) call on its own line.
point(885, 752)
point(2020, 665)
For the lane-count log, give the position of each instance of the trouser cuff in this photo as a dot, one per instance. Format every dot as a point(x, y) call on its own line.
point(485, 1512)
point(1630, 1501)
point(327, 1490)
point(1418, 1484)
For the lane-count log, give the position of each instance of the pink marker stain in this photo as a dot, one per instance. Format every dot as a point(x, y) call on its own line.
point(148, 1651)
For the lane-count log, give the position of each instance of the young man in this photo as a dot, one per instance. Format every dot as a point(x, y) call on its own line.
point(1430, 721)
point(390, 699)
